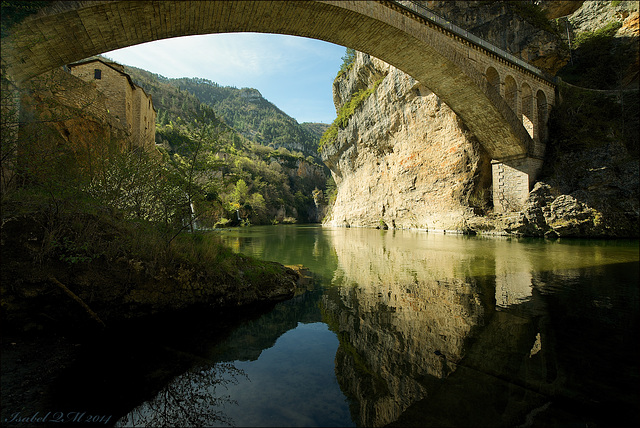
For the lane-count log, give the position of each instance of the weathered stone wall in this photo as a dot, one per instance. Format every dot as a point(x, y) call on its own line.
point(113, 85)
point(512, 181)
point(75, 93)
point(125, 101)
point(144, 120)
point(65, 127)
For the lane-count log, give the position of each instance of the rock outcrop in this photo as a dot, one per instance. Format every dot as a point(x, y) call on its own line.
point(405, 160)
point(559, 8)
point(593, 15)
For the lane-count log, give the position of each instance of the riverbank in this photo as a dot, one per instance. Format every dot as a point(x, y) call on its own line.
point(74, 280)
point(83, 271)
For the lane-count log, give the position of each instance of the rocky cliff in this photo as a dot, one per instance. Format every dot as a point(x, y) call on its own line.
point(404, 159)
point(517, 27)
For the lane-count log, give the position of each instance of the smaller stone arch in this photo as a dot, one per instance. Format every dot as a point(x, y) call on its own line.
point(542, 109)
point(493, 78)
point(527, 109)
point(511, 93)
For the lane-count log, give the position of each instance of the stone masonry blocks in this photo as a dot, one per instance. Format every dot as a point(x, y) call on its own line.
point(512, 181)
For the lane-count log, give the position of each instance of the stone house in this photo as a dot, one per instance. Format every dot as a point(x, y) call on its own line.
point(126, 101)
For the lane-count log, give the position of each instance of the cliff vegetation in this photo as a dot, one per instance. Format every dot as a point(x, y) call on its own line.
point(344, 114)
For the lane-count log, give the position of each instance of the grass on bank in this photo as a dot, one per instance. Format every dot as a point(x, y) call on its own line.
point(43, 229)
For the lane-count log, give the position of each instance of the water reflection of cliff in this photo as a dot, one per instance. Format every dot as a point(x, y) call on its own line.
point(446, 331)
point(403, 320)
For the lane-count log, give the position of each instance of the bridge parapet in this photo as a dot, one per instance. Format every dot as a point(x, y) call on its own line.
point(436, 19)
point(528, 91)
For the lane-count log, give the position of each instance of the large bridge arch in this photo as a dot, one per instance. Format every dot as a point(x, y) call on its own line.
point(66, 32)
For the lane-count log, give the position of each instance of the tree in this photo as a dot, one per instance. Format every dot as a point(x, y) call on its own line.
point(347, 60)
point(240, 194)
point(194, 166)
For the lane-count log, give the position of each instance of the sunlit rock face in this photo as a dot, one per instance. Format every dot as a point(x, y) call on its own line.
point(400, 327)
point(404, 158)
point(559, 8)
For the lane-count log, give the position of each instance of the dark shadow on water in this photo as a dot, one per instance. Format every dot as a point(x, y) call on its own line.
point(163, 356)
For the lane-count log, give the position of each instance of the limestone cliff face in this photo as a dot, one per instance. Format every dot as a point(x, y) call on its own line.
point(405, 159)
point(559, 8)
point(592, 15)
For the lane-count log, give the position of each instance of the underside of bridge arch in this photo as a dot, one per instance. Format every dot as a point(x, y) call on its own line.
point(493, 78)
point(66, 32)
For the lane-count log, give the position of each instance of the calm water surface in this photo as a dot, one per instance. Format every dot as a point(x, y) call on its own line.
point(422, 329)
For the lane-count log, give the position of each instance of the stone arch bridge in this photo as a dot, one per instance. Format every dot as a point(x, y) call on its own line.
point(501, 99)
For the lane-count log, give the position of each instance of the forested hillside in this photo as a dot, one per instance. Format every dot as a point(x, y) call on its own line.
point(244, 110)
point(245, 173)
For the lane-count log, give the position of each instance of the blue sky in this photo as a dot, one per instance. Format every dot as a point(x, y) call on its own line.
point(294, 73)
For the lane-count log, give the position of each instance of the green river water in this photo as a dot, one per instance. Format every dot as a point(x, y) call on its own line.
point(413, 328)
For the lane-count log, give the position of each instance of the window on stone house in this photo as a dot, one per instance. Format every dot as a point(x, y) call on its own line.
point(97, 73)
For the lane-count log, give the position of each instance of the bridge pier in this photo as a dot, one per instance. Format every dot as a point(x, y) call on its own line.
point(512, 181)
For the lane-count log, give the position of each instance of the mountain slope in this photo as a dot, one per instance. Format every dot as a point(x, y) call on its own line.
point(254, 117)
point(244, 110)
point(237, 175)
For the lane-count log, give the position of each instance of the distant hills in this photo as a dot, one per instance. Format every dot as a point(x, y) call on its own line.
point(244, 110)
point(251, 160)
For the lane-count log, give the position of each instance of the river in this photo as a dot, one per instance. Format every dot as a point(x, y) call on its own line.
point(421, 329)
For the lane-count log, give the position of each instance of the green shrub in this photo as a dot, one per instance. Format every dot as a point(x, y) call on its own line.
point(533, 14)
point(348, 60)
point(598, 36)
point(345, 113)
